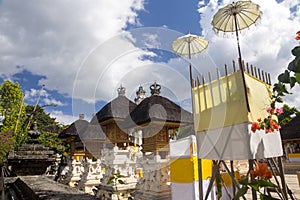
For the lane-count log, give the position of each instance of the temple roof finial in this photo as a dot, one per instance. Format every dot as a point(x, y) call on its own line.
point(140, 95)
point(155, 89)
point(121, 90)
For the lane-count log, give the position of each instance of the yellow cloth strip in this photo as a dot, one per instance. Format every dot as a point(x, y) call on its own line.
point(227, 179)
point(294, 155)
point(185, 170)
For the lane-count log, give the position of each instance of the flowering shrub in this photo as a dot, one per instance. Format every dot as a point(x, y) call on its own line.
point(6, 144)
point(262, 175)
point(290, 76)
point(269, 124)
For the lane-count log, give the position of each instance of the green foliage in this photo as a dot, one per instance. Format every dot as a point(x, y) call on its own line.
point(16, 116)
point(13, 111)
point(11, 105)
point(290, 77)
point(39, 116)
point(6, 144)
point(257, 185)
point(241, 192)
point(43, 121)
point(291, 74)
point(52, 141)
point(116, 179)
point(287, 115)
point(219, 185)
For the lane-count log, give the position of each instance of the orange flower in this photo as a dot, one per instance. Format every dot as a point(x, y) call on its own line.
point(261, 170)
point(298, 36)
point(255, 126)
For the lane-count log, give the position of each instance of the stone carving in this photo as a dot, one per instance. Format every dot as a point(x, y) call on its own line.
point(122, 162)
point(91, 175)
point(155, 181)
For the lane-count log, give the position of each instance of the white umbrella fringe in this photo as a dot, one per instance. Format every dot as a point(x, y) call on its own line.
point(249, 14)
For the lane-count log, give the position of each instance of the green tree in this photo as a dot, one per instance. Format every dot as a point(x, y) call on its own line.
point(44, 121)
point(13, 115)
point(287, 115)
point(290, 76)
point(39, 116)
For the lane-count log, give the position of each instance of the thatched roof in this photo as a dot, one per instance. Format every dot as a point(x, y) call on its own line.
point(92, 140)
point(53, 128)
point(118, 108)
point(291, 130)
point(92, 132)
point(76, 128)
point(157, 108)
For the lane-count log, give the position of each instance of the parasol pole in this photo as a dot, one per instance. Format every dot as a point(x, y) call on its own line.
point(199, 159)
point(200, 187)
point(190, 64)
point(240, 61)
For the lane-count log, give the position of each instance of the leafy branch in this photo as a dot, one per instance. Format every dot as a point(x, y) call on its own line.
point(116, 179)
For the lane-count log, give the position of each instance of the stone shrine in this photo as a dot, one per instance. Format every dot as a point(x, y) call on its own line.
point(31, 158)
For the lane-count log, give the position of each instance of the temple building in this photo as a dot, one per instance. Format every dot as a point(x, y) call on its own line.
point(290, 136)
point(70, 136)
point(158, 118)
point(112, 115)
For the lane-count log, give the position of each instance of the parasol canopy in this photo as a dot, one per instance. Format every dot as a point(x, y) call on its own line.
point(236, 16)
point(188, 45)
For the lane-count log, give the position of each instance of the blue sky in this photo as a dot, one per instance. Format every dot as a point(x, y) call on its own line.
point(83, 51)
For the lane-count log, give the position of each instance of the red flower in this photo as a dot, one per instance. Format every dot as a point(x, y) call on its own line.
point(255, 126)
point(261, 170)
point(298, 36)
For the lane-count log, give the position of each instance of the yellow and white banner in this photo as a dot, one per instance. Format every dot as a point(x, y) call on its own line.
point(184, 170)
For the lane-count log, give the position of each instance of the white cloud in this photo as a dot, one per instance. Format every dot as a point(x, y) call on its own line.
point(34, 94)
point(52, 38)
point(62, 118)
point(52, 101)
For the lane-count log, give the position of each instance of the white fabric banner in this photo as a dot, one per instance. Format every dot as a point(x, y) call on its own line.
point(238, 142)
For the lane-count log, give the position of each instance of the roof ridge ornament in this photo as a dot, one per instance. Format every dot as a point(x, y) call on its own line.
point(121, 90)
point(155, 89)
point(140, 95)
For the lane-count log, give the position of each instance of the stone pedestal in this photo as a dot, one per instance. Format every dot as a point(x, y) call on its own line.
point(155, 181)
point(71, 173)
point(77, 170)
point(90, 178)
point(30, 159)
point(122, 165)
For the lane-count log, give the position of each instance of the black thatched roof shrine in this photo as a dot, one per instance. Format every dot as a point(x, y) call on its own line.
point(92, 132)
point(118, 108)
point(291, 130)
point(157, 108)
point(76, 128)
point(53, 128)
